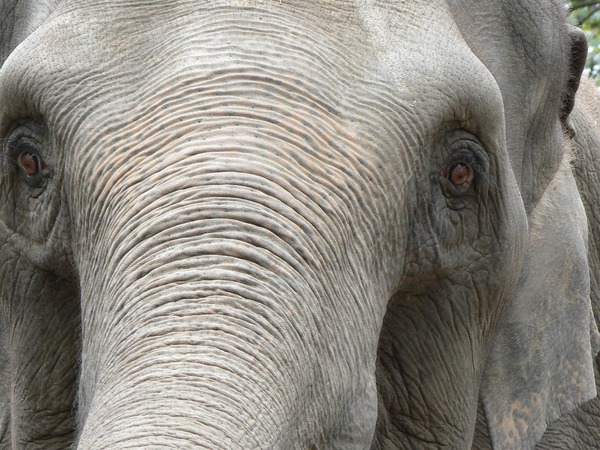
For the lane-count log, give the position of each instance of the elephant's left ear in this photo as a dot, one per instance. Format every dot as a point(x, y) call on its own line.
point(577, 57)
point(540, 365)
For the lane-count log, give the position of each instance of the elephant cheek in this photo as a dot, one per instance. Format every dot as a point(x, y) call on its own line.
point(39, 336)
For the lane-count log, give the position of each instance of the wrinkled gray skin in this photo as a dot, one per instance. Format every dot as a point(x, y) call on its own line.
point(246, 234)
point(581, 428)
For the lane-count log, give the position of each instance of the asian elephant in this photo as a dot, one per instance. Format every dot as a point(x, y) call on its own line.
point(277, 224)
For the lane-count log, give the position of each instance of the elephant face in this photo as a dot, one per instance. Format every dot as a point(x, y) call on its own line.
point(267, 225)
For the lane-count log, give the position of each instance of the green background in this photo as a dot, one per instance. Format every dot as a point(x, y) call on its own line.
point(586, 15)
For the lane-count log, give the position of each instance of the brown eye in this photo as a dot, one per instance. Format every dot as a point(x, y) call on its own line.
point(30, 163)
point(460, 174)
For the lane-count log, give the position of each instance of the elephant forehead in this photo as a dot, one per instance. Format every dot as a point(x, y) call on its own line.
point(353, 59)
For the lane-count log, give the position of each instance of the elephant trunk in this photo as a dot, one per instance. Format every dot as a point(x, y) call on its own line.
point(202, 322)
point(196, 371)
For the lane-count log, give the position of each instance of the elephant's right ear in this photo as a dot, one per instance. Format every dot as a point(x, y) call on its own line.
point(18, 19)
point(540, 365)
point(578, 54)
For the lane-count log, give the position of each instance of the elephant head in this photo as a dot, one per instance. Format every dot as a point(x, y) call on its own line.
point(272, 224)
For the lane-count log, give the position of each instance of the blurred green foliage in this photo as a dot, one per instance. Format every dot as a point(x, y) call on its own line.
point(586, 15)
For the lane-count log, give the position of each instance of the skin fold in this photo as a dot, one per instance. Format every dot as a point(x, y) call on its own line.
point(289, 225)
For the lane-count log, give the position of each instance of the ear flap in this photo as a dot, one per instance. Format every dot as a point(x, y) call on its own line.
point(540, 364)
point(578, 53)
point(18, 19)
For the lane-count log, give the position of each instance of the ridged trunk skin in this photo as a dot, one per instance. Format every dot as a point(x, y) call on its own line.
point(240, 240)
point(192, 336)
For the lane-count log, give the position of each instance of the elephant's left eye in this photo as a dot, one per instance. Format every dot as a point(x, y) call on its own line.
point(459, 177)
point(460, 173)
point(463, 175)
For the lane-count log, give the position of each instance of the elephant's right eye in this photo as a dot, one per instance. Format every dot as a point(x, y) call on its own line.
point(22, 150)
point(30, 163)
